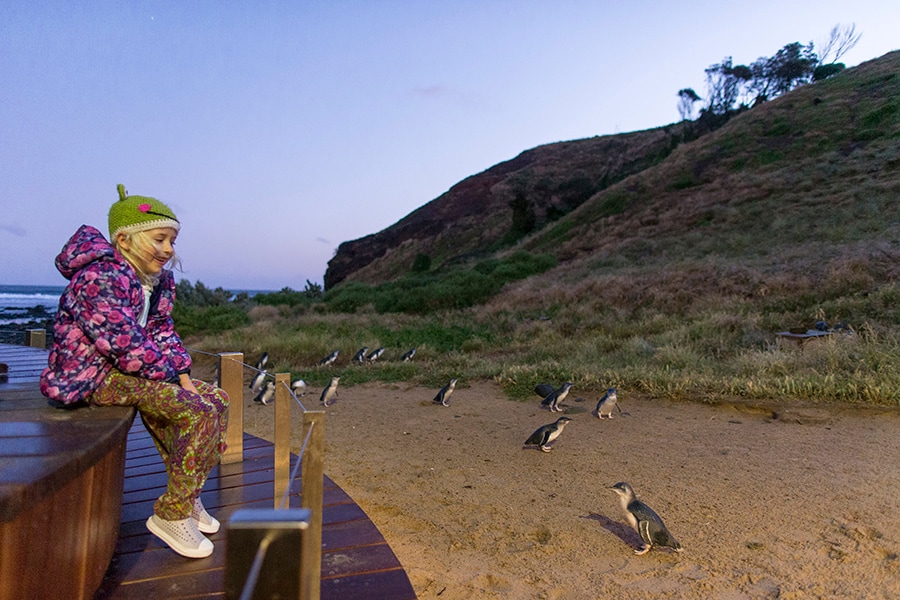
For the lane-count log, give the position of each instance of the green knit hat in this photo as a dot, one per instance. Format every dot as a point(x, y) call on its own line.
point(131, 214)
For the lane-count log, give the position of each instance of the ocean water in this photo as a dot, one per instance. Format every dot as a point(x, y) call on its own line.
point(21, 304)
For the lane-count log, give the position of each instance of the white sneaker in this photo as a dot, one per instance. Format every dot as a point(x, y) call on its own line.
point(205, 521)
point(182, 536)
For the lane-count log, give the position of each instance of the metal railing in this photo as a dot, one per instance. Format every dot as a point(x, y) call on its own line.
point(310, 462)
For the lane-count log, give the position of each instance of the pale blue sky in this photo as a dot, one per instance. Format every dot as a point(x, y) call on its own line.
point(278, 130)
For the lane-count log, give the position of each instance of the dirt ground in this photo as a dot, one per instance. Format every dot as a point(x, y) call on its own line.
point(767, 502)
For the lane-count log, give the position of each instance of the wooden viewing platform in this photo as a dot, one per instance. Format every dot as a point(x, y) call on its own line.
point(35, 442)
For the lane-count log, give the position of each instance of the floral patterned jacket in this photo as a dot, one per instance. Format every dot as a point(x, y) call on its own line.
point(96, 327)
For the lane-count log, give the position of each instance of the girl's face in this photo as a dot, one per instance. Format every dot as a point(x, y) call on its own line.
point(154, 250)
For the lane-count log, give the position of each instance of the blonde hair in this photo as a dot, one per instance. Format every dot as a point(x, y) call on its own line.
point(141, 245)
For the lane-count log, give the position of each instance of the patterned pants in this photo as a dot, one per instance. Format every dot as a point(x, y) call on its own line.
point(188, 430)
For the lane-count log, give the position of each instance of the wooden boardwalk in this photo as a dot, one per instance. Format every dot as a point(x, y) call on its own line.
point(357, 562)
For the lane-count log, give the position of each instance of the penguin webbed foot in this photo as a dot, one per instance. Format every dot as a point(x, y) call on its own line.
point(642, 551)
point(546, 448)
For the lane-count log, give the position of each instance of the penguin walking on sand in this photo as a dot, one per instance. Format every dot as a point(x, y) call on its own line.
point(257, 382)
point(375, 354)
point(545, 434)
point(443, 396)
point(329, 360)
point(298, 386)
point(266, 394)
point(262, 362)
point(644, 520)
point(330, 392)
point(407, 356)
point(553, 399)
point(606, 403)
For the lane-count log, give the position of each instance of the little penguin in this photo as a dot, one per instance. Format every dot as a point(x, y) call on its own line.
point(266, 394)
point(360, 355)
point(606, 403)
point(545, 434)
point(375, 354)
point(262, 362)
point(329, 360)
point(443, 396)
point(330, 392)
point(644, 520)
point(298, 386)
point(407, 356)
point(553, 399)
point(257, 382)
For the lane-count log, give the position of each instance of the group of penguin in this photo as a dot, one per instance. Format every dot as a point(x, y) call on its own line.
point(364, 356)
point(641, 517)
point(265, 390)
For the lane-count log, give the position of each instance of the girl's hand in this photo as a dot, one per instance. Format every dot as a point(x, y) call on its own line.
point(186, 383)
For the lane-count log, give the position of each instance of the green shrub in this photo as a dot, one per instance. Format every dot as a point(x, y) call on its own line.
point(193, 320)
point(423, 293)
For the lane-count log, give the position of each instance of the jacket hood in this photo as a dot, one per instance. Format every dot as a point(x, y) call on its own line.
point(85, 247)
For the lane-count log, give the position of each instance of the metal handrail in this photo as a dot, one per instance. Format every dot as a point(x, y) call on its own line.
point(310, 459)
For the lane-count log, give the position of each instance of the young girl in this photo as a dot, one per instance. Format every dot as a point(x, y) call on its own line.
point(114, 343)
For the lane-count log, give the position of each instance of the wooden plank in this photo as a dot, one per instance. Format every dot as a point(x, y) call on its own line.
point(69, 442)
point(83, 536)
point(357, 561)
point(383, 585)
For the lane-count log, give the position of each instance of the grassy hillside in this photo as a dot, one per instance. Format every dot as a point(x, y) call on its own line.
point(794, 201)
point(474, 218)
point(671, 280)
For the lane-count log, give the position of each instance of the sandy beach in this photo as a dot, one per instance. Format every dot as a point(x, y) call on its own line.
point(768, 501)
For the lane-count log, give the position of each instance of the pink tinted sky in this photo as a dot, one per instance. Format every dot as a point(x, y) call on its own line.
point(278, 130)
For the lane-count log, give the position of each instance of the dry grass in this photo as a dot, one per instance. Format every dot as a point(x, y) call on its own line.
point(675, 276)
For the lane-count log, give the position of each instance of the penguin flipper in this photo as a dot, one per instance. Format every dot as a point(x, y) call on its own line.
point(543, 389)
point(655, 534)
point(651, 527)
point(538, 438)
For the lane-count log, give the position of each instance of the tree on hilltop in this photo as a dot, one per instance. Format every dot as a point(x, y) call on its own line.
point(791, 67)
point(731, 88)
point(841, 40)
point(687, 97)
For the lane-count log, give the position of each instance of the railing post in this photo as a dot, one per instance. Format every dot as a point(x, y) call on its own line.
point(36, 338)
point(231, 379)
point(312, 467)
point(282, 436)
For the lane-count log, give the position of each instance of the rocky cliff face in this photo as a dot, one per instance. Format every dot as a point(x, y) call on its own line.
point(818, 163)
point(476, 215)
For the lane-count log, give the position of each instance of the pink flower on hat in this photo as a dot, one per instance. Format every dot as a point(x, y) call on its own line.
point(144, 208)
